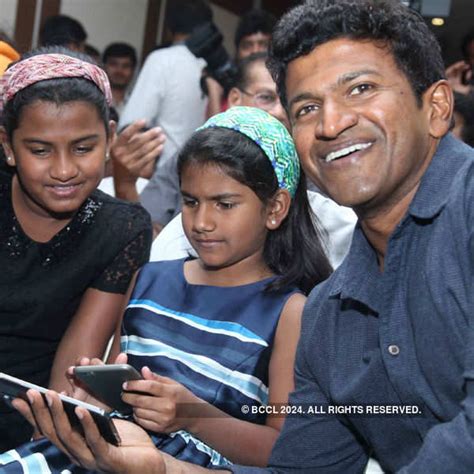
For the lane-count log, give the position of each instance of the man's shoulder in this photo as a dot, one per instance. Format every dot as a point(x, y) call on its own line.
point(176, 52)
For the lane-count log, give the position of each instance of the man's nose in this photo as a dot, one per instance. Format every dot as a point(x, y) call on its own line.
point(334, 118)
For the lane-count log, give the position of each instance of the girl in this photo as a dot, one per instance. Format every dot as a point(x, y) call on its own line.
point(67, 252)
point(218, 333)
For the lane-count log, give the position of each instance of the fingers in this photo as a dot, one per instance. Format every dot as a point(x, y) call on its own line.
point(135, 149)
point(101, 451)
point(24, 409)
point(65, 437)
point(128, 132)
point(122, 358)
point(149, 375)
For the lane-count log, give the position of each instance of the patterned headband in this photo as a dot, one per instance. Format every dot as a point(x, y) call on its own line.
point(50, 66)
point(270, 135)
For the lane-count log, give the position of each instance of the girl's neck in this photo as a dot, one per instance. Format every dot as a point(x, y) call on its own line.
point(245, 272)
point(37, 225)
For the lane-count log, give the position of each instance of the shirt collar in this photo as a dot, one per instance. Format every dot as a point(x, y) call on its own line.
point(433, 191)
point(349, 280)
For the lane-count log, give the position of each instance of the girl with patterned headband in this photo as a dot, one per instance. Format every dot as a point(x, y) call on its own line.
point(216, 334)
point(67, 251)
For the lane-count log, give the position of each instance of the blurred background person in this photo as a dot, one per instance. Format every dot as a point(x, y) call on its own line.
point(62, 30)
point(93, 53)
point(119, 61)
point(167, 92)
point(253, 33)
point(8, 53)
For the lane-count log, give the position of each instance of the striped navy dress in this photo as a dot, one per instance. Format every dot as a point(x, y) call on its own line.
point(216, 341)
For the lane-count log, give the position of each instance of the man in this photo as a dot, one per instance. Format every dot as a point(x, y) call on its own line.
point(393, 326)
point(167, 92)
point(62, 30)
point(253, 33)
point(120, 60)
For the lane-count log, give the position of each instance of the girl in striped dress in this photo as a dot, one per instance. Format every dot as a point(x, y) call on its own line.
point(215, 336)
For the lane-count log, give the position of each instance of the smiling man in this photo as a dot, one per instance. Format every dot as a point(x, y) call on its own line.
point(385, 363)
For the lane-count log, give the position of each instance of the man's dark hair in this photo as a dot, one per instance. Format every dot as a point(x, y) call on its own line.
point(398, 28)
point(120, 50)
point(61, 30)
point(254, 21)
point(244, 67)
point(183, 16)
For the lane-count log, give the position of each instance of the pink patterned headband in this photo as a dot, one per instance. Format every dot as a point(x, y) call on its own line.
point(50, 66)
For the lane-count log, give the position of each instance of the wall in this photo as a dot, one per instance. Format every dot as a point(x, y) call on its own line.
point(108, 21)
point(227, 24)
point(8, 16)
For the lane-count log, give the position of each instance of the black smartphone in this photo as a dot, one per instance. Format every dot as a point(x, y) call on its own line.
point(12, 387)
point(105, 383)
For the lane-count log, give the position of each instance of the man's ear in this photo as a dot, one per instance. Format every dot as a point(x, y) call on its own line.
point(234, 97)
point(439, 100)
point(278, 209)
point(7, 148)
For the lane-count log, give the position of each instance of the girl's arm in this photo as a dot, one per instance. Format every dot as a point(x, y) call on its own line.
point(88, 333)
point(240, 441)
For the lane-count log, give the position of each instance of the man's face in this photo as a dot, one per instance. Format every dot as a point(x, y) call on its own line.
point(360, 133)
point(260, 92)
point(250, 44)
point(120, 71)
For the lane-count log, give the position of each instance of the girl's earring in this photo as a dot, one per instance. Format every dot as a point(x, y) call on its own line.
point(273, 221)
point(9, 158)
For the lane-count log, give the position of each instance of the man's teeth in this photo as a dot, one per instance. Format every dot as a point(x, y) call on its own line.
point(346, 151)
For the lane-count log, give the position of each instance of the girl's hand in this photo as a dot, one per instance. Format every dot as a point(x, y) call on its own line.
point(78, 390)
point(163, 405)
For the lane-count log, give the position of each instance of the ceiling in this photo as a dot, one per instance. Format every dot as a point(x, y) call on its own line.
point(460, 21)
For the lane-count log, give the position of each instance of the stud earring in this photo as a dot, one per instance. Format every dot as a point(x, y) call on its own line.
point(9, 158)
point(107, 156)
point(274, 221)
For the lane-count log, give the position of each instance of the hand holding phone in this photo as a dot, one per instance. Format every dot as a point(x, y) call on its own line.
point(105, 383)
point(12, 387)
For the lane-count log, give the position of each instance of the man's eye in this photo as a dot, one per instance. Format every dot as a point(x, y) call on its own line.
point(361, 88)
point(307, 109)
point(226, 205)
point(189, 202)
point(266, 97)
point(39, 151)
point(83, 149)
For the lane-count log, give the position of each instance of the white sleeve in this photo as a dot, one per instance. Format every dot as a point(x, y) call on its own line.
point(146, 97)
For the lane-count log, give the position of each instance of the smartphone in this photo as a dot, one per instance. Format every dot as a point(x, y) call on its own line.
point(105, 383)
point(12, 387)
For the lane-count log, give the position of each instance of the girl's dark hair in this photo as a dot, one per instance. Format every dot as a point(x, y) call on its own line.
point(58, 91)
point(293, 251)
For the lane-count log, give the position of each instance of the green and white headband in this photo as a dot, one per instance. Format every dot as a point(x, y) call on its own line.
point(270, 135)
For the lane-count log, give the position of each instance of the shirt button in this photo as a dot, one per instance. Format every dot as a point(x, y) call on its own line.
point(393, 350)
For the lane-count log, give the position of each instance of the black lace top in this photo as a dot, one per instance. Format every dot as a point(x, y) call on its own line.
point(41, 284)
